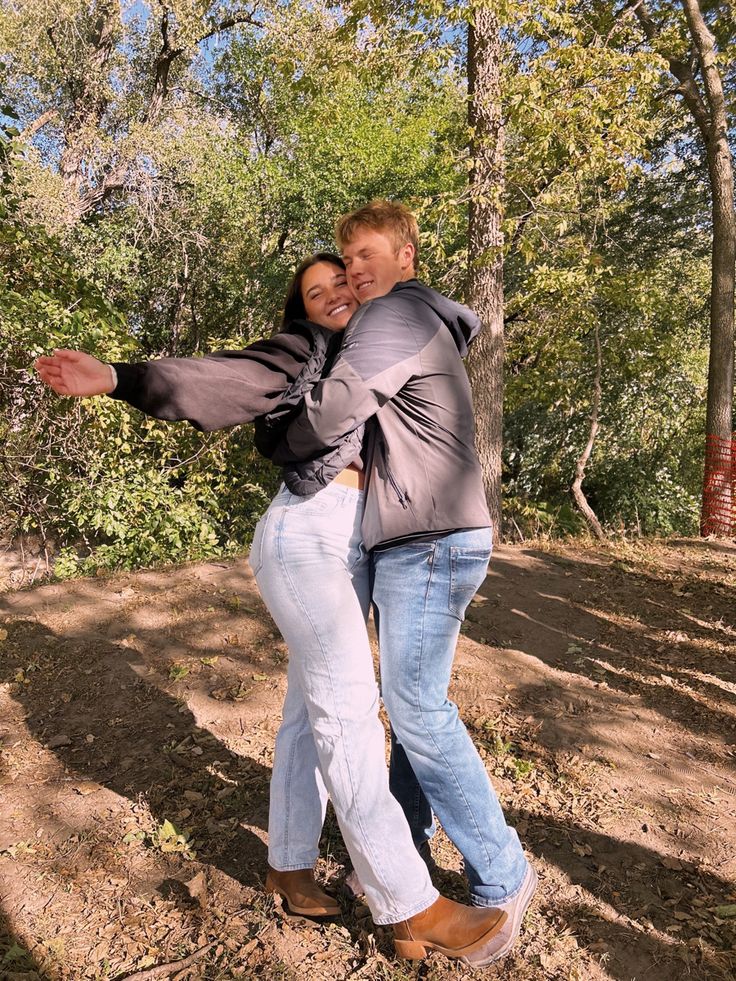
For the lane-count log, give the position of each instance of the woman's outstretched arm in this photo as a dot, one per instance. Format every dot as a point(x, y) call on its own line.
point(214, 392)
point(75, 373)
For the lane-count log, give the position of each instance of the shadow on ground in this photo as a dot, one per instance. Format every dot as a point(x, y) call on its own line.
point(117, 698)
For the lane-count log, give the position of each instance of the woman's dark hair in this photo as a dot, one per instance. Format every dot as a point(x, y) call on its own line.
point(294, 304)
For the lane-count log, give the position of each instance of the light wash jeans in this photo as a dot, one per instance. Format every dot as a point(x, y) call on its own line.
point(420, 592)
point(313, 574)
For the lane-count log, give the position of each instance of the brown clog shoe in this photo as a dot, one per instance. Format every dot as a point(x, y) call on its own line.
point(301, 893)
point(453, 929)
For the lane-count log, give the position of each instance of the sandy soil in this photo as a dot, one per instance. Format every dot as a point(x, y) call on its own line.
point(137, 719)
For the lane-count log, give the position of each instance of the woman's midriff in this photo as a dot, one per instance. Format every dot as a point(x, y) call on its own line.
point(351, 477)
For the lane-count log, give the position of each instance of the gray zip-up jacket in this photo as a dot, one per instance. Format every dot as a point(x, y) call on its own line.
point(401, 362)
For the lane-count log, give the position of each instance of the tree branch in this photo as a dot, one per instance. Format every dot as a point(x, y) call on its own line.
point(166, 970)
point(162, 67)
point(114, 180)
point(168, 54)
point(705, 44)
point(577, 484)
point(52, 39)
point(32, 128)
point(233, 21)
point(682, 70)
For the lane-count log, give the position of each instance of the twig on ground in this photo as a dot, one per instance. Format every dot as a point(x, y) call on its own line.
point(164, 970)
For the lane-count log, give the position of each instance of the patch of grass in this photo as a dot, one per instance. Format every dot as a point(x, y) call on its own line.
point(178, 671)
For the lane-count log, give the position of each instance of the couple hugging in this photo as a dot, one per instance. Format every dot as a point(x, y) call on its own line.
point(362, 400)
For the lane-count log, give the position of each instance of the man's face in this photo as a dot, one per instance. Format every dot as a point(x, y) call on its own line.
point(374, 266)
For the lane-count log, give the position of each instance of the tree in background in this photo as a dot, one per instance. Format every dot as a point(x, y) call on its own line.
point(571, 101)
point(254, 148)
point(485, 242)
point(100, 79)
point(690, 49)
point(578, 114)
point(261, 132)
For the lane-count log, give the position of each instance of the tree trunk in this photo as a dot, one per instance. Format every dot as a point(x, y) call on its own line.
point(708, 109)
point(717, 515)
point(485, 246)
point(577, 484)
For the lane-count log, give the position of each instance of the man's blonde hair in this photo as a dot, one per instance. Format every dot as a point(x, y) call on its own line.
point(390, 217)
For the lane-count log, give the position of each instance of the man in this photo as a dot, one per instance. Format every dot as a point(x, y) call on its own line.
point(427, 524)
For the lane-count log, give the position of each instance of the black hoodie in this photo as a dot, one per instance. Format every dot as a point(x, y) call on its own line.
point(263, 383)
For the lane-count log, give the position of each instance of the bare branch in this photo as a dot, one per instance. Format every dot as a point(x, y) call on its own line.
point(166, 970)
point(577, 484)
point(168, 54)
point(52, 39)
point(229, 22)
point(162, 67)
point(32, 128)
point(114, 180)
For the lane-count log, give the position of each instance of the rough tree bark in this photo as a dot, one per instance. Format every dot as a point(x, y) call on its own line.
point(708, 109)
point(485, 242)
point(577, 484)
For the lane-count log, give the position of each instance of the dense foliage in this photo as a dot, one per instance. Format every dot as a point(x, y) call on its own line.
point(170, 163)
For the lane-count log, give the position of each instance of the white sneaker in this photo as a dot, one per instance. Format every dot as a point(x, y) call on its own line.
point(505, 939)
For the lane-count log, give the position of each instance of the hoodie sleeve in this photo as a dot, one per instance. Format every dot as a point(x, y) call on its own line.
point(219, 390)
point(380, 353)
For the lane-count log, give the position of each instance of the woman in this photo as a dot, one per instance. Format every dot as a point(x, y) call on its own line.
point(312, 571)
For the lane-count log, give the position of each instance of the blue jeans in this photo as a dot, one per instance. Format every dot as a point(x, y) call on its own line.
point(421, 591)
point(313, 574)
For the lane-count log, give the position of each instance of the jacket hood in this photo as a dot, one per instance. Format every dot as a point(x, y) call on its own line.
point(460, 320)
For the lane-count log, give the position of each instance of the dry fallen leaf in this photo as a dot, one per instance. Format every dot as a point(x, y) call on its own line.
point(86, 788)
point(57, 741)
point(197, 889)
point(671, 863)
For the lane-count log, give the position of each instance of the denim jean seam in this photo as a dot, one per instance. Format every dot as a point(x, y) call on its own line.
point(416, 811)
point(428, 731)
point(290, 760)
point(458, 552)
point(374, 859)
point(419, 662)
point(265, 518)
point(287, 809)
point(417, 798)
point(284, 842)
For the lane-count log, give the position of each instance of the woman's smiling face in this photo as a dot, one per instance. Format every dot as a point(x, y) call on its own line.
point(327, 297)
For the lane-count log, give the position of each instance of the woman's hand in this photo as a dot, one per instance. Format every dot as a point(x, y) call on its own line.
point(75, 373)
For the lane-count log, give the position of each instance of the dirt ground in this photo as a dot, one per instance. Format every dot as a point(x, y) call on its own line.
point(137, 720)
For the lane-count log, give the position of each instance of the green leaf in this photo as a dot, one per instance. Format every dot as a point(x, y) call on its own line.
point(726, 912)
